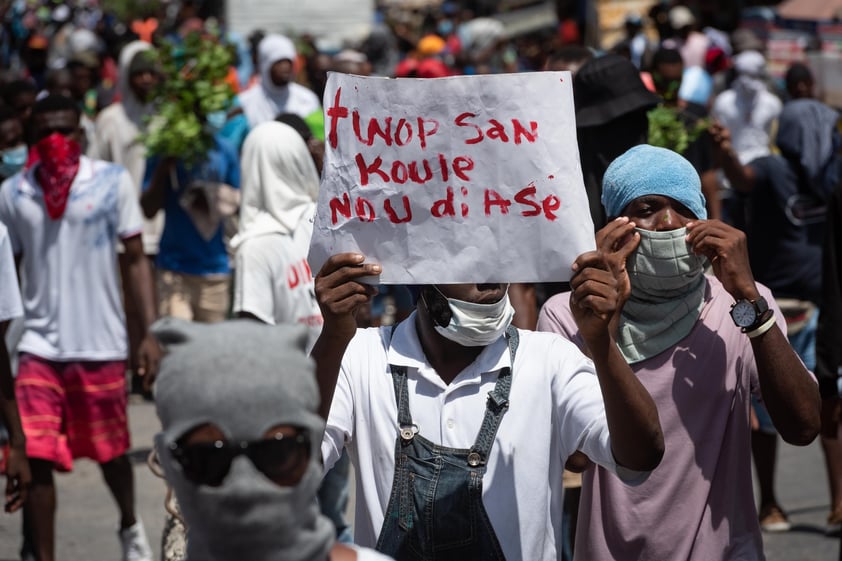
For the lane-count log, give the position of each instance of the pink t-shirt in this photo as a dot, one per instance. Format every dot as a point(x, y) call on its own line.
point(698, 504)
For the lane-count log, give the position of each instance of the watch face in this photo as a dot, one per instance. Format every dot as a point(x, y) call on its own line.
point(744, 313)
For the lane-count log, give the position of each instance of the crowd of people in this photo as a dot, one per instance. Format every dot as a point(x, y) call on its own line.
point(614, 416)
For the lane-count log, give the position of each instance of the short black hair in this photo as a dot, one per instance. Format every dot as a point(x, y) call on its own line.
point(16, 87)
point(570, 53)
point(797, 73)
point(7, 114)
point(54, 75)
point(297, 123)
point(666, 55)
point(54, 103)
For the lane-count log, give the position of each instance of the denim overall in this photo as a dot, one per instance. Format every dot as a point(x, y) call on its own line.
point(435, 511)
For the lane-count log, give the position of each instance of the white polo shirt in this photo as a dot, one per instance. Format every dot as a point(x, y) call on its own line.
point(555, 408)
point(71, 296)
point(10, 303)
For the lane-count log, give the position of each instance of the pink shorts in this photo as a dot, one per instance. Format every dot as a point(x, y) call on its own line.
point(72, 410)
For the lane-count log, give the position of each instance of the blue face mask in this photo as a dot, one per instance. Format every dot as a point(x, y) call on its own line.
point(216, 120)
point(445, 27)
point(13, 160)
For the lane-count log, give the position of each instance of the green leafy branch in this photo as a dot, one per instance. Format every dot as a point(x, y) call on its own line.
point(192, 87)
point(667, 129)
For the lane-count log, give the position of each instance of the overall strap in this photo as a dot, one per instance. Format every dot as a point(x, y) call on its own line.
point(399, 377)
point(498, 403)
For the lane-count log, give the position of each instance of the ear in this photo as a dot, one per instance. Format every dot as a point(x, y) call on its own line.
point(436, 305)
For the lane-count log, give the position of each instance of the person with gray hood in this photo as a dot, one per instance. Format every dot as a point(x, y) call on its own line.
point(240, 442)
point(117, 139)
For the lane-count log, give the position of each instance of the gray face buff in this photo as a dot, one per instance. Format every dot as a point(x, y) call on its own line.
point(477, 325)
point(667, 294)
point(248, 516)
point(244, 378)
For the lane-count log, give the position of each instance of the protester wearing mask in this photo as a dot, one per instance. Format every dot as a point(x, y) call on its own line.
point(457, 412)
point(277, 92)
point(242, 452)
point(13, 149)
point(65, 217)
point(117, 139)
point(675, 325)
point(748, 109)
point(784, 199)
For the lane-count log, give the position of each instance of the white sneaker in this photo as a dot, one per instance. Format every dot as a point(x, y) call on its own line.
point(134, 542)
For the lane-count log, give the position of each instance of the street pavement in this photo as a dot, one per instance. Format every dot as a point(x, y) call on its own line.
point(87, 518)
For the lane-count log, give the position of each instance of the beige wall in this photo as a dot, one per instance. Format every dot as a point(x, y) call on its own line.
point(612, 13)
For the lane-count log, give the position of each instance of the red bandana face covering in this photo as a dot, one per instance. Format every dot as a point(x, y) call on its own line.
point(59, 162)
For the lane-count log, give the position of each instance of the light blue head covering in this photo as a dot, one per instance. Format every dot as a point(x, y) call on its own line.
point(648, 170)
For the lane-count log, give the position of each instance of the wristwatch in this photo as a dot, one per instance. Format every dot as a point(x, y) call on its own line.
point(748, 314)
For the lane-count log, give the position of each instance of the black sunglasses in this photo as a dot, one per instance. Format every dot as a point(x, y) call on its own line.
point(278, 458)
point(63, 131)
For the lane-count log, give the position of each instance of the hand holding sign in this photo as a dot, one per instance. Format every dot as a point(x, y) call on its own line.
point(464, 179)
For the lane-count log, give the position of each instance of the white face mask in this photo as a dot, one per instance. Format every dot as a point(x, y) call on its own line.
point(476, 325)
point(748, 86)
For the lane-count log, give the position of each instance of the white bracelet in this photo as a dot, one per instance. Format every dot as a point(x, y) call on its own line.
point(764, 327)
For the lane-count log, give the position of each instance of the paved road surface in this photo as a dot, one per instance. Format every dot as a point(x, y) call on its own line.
point(87, 519)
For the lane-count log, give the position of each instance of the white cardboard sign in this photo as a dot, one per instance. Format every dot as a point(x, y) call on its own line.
point(467, 179)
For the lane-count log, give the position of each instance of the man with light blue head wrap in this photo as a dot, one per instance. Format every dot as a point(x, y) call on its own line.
point(675, 325)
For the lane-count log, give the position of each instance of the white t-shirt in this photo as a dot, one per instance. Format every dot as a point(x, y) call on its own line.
point(10, 304)
point(71, 297)
point(555, 408)
point(274, 282)
point(750, 132)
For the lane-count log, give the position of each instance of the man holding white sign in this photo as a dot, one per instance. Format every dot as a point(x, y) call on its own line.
point(458, 424)
point(479, 168)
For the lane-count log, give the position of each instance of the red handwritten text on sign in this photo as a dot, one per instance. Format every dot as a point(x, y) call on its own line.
point(394, 132)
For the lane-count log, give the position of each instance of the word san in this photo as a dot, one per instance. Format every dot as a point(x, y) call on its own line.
point(402, 131)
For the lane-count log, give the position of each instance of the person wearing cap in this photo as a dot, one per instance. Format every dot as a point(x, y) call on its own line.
point(635, 45)
point(702, 344)
point(611, 105)
point(457, 413)
point(692, 44)
point(241, 452)
point(350, 61)
point(748, 109)
point(783, 201)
